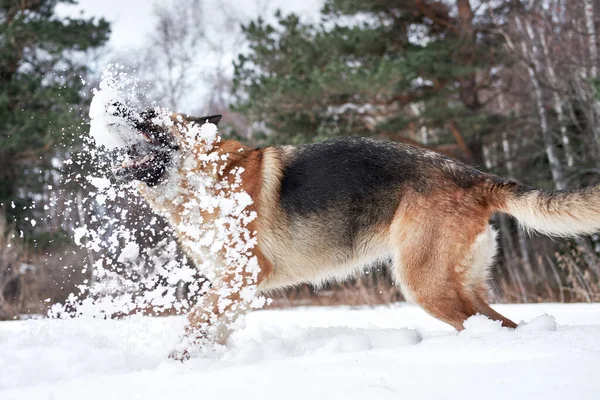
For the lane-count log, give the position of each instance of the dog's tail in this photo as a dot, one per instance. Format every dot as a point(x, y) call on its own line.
point(551, 212)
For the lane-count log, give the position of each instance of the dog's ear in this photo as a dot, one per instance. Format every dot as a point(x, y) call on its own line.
point(213, 119)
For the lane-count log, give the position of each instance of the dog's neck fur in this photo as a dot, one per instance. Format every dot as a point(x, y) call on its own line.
point(212, 162)
point(196, 178)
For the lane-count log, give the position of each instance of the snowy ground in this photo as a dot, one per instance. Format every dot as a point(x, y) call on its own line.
point(312, 353)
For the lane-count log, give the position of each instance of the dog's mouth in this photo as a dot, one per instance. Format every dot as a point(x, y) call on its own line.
point(149, 157)
point(142, 164)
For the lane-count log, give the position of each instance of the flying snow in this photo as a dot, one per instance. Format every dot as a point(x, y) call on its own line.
point(131, 275)
point(116, 87)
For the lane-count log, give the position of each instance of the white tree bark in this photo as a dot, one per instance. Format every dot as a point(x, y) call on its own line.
point(588, 11)
point(560, 182)
point(558, 104)
point(522, 240)
point(589, 14)
point(533, 67)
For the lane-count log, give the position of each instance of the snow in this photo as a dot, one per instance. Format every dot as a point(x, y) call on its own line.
point(106, 128)
point(131, 251)
point(208, 132)
point(195, 182)
point(101, 183)
point(78, 234)
point(386, 352)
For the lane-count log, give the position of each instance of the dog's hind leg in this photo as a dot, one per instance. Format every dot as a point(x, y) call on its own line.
point(478, 262)
point(442, 265)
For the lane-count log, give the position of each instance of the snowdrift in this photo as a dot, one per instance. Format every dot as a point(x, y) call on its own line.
point(319, 353)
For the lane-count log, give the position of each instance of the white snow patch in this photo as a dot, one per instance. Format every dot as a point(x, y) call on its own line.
point(208, 132)
point(100, 111)
point(273, 342)
point(385, 352)
point(130, 251)
point(101, 183)
point(479, 324)
point(78, 234)
point(542, 323)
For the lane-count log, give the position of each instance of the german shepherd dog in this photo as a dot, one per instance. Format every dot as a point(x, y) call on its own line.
point(325, 210)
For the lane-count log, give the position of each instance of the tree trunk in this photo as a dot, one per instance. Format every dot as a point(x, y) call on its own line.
point(558, 176)
point(521, 239)
point(588, 11)
point(533, 68)
point(7, 312)
point(468, 84)
point(558, 104)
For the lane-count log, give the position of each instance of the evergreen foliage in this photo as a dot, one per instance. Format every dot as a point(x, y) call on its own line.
point(42, 72)
point(374, 67)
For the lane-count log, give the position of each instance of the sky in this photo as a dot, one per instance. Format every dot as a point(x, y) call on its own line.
point(132, 19)
point(132, 22)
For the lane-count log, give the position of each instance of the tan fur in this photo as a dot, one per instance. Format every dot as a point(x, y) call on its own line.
point(558, 214)
point(442, 258)
point(305, 257)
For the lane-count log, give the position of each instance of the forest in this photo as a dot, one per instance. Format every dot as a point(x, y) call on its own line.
point(508, 86)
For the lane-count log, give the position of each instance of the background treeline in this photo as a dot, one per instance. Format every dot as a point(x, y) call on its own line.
point(508, 86)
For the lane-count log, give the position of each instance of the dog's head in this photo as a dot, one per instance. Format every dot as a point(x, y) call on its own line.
point(147, 159)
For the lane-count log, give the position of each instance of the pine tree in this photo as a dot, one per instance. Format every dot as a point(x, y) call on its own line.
point(374, 67)
point(41, 81)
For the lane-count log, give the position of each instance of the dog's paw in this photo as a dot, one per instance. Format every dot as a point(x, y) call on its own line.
point(188, 347)
point(193, 346)
point(180, 355)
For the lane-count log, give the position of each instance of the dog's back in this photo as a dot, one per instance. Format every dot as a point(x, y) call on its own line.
point(336, 201)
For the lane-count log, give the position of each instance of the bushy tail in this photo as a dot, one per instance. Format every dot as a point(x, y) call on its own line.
point(554, 213)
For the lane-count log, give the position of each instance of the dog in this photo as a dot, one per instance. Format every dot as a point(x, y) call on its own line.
point(324, 211)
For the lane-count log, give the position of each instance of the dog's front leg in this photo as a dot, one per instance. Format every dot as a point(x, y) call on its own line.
point(219, 312)
point(215, 317)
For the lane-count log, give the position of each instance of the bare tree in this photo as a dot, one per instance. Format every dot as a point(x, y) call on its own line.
point(172, 58)
point(10, 253)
